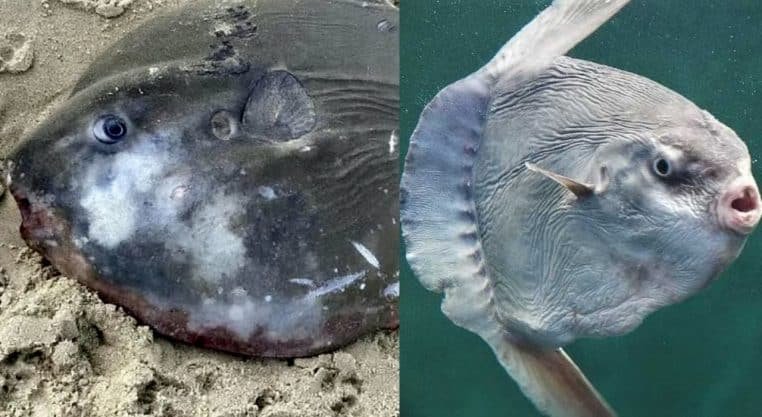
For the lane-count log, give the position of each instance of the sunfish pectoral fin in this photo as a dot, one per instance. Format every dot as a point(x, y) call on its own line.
point(279, 108)
point(555, 31)
point(550, 379)
point(580, 189)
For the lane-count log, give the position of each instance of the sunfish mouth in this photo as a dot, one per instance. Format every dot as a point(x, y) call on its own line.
point(739, 207)
point(39, 225)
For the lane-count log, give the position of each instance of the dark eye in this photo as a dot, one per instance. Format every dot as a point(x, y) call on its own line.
point(109, 129)
point(662, 167)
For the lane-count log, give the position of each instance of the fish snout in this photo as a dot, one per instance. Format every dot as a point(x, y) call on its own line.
point(37, 221)
point(28, 218)
point(739, 208)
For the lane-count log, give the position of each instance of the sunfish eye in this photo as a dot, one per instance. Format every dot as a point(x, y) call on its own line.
point(109, 129)
point(662, 167)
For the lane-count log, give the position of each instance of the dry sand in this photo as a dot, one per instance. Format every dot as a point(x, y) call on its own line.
point(63, 352)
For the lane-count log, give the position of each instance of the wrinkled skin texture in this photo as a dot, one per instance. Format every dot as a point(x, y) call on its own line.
point(251, 205)
point(564, 267)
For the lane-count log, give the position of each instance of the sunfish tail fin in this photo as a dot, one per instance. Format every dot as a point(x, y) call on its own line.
point(551, 380)
point(555, 31)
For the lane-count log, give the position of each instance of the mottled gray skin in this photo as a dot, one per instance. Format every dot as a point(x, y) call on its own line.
point(564, 267)
point(252, 205)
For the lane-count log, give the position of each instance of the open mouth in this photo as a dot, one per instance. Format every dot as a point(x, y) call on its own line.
point(746, 202)
point(739, 208)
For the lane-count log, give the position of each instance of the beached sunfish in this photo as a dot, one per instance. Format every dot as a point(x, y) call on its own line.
point(552, 198)
point(228, 174)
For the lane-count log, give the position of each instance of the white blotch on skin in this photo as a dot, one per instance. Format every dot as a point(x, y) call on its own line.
point(239, 292)
point(335, 284)
point(394, 139)
point(237, 313)
point(303, 281)
point(153, 70)
point(81, 241)
point(110, 222)
point(392, 291)
point(214, 250)
point(217, 253)
point(285, 319)
point(267, 192)
point(117, 186)
point(366, 253)
point(179, 192)
point(169, 199)
point(111, 207)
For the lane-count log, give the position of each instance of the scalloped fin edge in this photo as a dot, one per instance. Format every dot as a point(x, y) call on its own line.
point(437, 210)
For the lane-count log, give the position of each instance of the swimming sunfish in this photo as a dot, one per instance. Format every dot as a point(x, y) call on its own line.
point(228, 173)
point(552, 198)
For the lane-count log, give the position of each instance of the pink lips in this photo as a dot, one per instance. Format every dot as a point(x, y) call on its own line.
point(740, 208)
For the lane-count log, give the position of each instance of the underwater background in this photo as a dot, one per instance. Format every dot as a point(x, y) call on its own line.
point(702, 357)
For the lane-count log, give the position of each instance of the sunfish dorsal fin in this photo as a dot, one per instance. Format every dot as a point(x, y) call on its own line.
point(555, 31)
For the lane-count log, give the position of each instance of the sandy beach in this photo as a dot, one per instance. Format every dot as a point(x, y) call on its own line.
point(63, 352)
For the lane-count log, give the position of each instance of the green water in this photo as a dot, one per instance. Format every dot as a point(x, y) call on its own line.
point(698, 358)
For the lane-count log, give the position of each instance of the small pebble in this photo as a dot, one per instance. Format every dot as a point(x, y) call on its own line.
point(16, 53)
